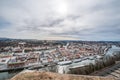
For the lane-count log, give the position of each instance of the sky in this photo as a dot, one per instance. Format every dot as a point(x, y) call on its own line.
point(60, 19)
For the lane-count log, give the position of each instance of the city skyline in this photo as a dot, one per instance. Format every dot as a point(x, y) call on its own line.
point(60, 19)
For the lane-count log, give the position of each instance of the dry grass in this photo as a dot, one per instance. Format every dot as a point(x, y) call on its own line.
point(54, 76)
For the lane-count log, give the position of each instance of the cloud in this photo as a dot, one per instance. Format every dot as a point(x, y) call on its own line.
point(43, 19)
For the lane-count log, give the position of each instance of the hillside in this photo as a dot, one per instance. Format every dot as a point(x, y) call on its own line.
point(55, 76)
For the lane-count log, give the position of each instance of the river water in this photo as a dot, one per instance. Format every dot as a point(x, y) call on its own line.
point(7, 75)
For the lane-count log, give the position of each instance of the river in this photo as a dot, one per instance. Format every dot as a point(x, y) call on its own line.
point(7, 75)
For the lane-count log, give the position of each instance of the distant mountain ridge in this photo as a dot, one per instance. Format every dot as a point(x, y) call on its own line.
point(12, 39)
point(5, 39)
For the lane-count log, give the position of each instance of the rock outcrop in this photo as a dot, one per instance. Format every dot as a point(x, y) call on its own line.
point(36, 75)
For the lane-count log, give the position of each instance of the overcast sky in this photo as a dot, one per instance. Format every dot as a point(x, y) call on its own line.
point(60, 19)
